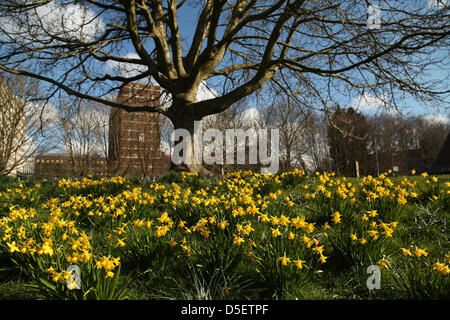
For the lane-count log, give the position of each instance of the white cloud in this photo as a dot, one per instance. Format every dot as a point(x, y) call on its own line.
point(251, 115)
point(43, 114)
point(437, 3)
point(125, 69)
point(437, 119)
point(54, 19)
point(368, 102)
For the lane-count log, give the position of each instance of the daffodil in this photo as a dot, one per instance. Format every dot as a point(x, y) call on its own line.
point(238, 240)
point(120, 243)
point(56, 277)
point(372, 233)
point(336, 217)
point(284, 220)
point(12, 247)
point(284, 260)
point(275, 232)
point(299, 263)
point(383, 264)
point(420, 252)
point(372, 213)
point(310, 227)
point(322, 259)
point(318, 250)
point(305, 239)
point(222, 225)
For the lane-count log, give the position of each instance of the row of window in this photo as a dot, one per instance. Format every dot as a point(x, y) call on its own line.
point(62, 161)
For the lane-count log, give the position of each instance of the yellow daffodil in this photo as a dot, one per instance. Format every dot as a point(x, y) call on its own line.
point(406, 252)
point(383, 264)
point(318, 250)
point(275, 232)
point(12, 247)
point(238, 240)
point(336, 217)
point(120, 243)
point(299, 263)
point(372, 213)
point(284, 260)
point(322, 259)
point(420, 252)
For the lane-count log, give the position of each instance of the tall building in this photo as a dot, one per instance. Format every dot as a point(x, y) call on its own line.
point(134, 137)
point(12, 131)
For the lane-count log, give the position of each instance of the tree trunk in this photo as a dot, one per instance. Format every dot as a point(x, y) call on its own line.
point(189, 144)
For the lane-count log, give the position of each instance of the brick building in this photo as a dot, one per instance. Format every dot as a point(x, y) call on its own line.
point(133, 142)
point(134, 137)
point(62, 165)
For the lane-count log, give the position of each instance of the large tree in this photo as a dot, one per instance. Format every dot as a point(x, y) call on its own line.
point(306, 49)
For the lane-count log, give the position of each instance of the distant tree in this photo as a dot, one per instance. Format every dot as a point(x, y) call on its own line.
point(432, 136)
point(318, 149)
point(84, 137)
point(348, 141)
point(292, 122)
point(406, 142)
point(237, 117)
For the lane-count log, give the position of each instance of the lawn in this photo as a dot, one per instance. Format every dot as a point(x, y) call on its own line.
point(243, 236)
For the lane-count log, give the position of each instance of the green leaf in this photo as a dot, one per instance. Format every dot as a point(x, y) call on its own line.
point(47, 284)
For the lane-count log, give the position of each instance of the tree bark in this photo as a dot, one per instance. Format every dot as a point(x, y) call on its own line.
point(192, 161)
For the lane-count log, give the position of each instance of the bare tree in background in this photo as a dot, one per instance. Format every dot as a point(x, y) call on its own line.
point(84, 138)
point(25, 128)
point(318, 150)
point(235, 118)
point(291, 121)
point(307, 49)
point(407, 142)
